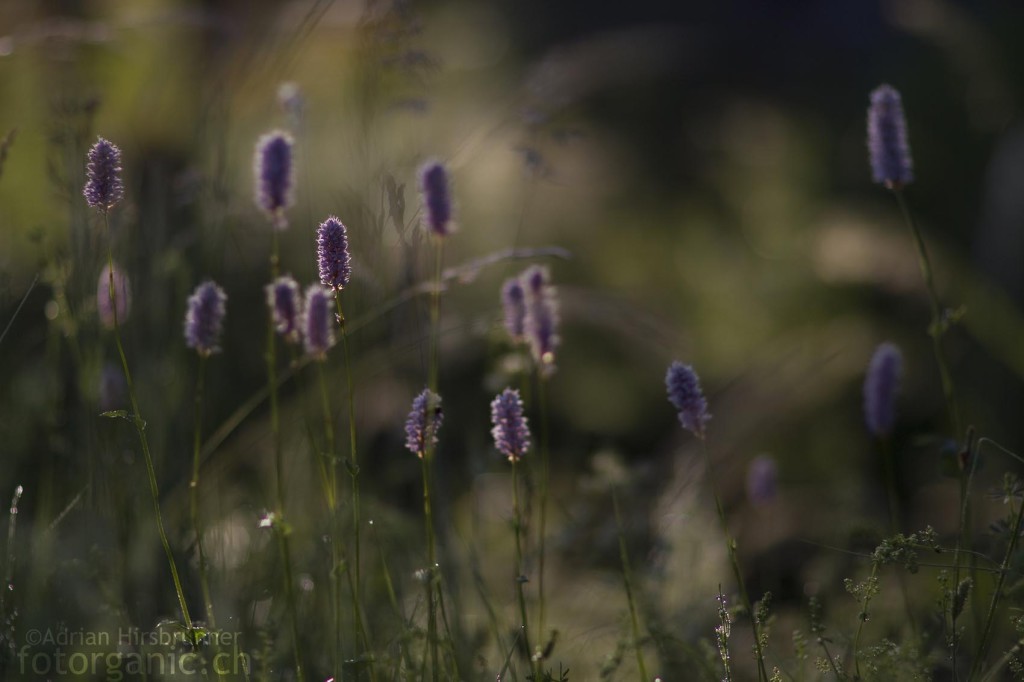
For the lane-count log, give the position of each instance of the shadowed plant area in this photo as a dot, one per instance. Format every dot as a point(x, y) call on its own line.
point(389, 340)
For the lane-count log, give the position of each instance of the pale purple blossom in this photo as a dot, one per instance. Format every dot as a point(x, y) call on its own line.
point(513, 303)
point(103, 185)
point(285, 303)
point(510, 430)
point(424, 421)
point(274, 170)
point(318, 322)
point(333, 259)
point(685, 394)
point(204, 319)
point(881, 384)
point(437, 200)
point(540, 322)
point(888, 148)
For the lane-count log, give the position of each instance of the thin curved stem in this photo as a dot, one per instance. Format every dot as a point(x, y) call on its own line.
point(627, 578)
point(193, 496)
point(280, 526)
point(140, 428)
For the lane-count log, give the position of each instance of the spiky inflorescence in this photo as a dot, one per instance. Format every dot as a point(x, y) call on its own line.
point(511, 431)
point(332, 254)
point(513, 302)
point(274, 170)
point(204, 319)
point(122, 296)
point(540, 323)
point(891, 164)
point(103, 186)
point(437, 200)
point(285, 307)
point(880, 387)
point(317, 322)
point(425, 419)
point(685, 394)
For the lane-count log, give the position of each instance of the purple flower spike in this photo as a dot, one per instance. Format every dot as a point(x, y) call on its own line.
point(541, 317)
point(880, 387)
point(204, 319)
point(122, 297)
point(318, 322)
point(437, 201)
point(284, 302)
point(103, 186)
point(888, 148)
point(275, 175)
point(513, 301)
point(332, 254)
point(511, 431)
point(685, 394)
point(425, 419)
point(762, 481)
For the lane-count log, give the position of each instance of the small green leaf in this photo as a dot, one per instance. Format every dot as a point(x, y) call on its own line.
point(116, 414)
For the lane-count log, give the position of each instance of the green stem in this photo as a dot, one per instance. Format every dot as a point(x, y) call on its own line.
point(890, 483)
point(545, 474)
point(332, 507)
point(520, 578)
point(938, 326)
point(353, 467)
point(428, 519)
point(762, 674)
point(280, 525)
point(193, 502)
point(627, 578)
point(140, 428)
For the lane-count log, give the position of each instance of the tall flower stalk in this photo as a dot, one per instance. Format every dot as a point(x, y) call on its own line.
point(103, 190)
point(540, 327)
point(421, 428)
point(203, 323)
point(892, 166)
point(685, 394)
point(511, 433)
point(273, 170)
point(334, 263)
point(435, 193)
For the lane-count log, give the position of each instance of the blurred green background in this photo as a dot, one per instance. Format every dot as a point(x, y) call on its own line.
point(703, 167)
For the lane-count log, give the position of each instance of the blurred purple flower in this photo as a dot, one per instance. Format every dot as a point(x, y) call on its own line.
point(275, 175)
point(540, 323)
point(762, 481)
point(881, 384)
point(122, 297)
point(889, 151)
point(103, 186)
point(685, 394)
point(332, 254)
point(285, 306)
point(513, 301)
point(437, 201)
point(204, 319)
point(425, 419)
point(511, 431)
point(317, 322)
